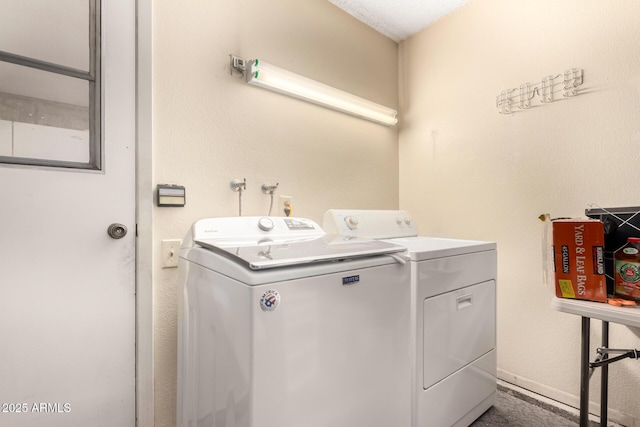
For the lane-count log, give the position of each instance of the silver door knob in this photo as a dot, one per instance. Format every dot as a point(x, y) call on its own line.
point(117, 231)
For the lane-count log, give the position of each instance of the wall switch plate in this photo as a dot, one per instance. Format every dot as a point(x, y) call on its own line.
point(170, 251)
point(171, 195)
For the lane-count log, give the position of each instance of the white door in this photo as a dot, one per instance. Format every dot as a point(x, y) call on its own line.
point(67, 290)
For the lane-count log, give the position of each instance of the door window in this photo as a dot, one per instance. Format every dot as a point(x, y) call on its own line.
point(50, 83)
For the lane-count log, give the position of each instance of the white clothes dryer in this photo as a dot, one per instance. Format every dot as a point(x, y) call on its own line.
point(453, 315)
point(281, 325)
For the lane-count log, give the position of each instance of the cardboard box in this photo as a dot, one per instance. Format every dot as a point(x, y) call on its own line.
point(578, 259)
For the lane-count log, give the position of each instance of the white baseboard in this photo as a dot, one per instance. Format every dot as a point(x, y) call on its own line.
point(564, 401)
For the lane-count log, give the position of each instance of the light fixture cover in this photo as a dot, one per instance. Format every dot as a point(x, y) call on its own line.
point(262, 74)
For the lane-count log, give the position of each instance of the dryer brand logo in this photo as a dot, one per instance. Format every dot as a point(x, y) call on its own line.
point(270, 300)
point(350, 280)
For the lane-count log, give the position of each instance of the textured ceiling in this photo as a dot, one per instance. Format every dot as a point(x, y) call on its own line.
point(398, 19)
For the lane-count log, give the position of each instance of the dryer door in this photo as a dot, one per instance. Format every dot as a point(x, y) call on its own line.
point(459, 327)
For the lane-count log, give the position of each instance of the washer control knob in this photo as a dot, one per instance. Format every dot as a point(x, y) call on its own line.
point(398, 221)
point(407, 221)
point(352, 222)
point(265, 224)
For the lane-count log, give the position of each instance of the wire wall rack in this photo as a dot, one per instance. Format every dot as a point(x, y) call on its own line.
point(546, 89)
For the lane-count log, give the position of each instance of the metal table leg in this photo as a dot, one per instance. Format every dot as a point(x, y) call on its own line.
point(584, 373)
point(604, 377)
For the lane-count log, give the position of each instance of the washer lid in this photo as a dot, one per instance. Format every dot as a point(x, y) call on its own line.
point(268, 253)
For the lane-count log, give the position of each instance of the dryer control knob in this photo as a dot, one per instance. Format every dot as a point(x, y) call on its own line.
point(265, 224)
point(398, 221)
point(407, 221)
point(352, 222)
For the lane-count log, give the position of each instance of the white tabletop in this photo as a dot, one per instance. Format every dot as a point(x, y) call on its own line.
point(629, 316)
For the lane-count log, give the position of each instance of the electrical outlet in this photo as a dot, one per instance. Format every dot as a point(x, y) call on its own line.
point(170, 252)
point(285, 206)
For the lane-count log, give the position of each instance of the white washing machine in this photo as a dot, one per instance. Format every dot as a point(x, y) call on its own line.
point(281, 325)
point(453, 315)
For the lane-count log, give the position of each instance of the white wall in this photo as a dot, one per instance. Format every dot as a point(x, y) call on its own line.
point(467, 171)
point(211, 127)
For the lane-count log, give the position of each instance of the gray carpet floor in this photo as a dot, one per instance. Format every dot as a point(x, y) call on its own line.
point(517, 410)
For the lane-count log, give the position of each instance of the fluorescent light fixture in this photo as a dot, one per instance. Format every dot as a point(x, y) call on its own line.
point(262, 74)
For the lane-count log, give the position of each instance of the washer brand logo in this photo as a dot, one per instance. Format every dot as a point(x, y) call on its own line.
point(270, 300)
point(350, 280)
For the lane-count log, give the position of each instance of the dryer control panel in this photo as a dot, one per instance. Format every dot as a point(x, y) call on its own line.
point(370, 224)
